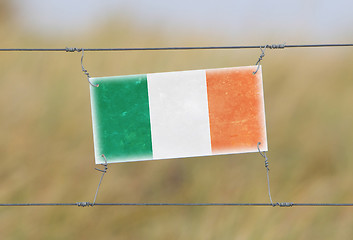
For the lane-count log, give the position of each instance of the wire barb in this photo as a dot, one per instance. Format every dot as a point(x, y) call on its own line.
point(68, 49)
point(83, 69)
point(103, 172)
point(276, 46)
point(285, 204)
point(84, 204)
point(263, 154)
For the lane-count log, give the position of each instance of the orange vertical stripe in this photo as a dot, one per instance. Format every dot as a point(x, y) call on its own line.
point(236, 110)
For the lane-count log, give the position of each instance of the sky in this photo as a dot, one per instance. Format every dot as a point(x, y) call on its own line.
point(315, 20)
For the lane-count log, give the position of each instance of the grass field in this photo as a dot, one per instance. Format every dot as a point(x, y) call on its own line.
point(46, 146)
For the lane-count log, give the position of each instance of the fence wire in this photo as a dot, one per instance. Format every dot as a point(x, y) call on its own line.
point(88, 204)
point(268, 46)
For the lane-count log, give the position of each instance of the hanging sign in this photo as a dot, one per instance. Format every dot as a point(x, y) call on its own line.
point(178, 114)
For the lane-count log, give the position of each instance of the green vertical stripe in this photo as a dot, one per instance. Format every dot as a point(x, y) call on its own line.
point(121, 118)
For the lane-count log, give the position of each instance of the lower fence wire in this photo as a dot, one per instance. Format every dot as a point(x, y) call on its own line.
point(87, 204)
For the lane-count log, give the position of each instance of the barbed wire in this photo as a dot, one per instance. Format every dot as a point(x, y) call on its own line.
point(269, 46)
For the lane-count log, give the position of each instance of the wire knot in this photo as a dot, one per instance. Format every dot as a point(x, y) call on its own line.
point(84, 204)
point(263, 154)
point(283, 204)
point(105, 164)
point(263, 48)
point(267, 164)
point(276, 46)
point(68, 49)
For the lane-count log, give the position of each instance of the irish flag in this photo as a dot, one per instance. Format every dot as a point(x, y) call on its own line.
point(178, 114)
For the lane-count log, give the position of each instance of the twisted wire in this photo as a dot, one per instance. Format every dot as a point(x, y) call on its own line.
point(82, 67)
point(103, 172)
point(260, 59)
point(263, 154)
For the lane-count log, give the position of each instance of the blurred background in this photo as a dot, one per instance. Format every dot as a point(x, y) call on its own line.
point(46, 141)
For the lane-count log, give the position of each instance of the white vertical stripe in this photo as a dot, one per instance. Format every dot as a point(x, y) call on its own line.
point(179, 114)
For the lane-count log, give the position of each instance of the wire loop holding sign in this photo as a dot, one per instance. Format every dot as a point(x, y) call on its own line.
point(83, 69)
point(103, 172)
point(263, 154)
point(260, 58)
